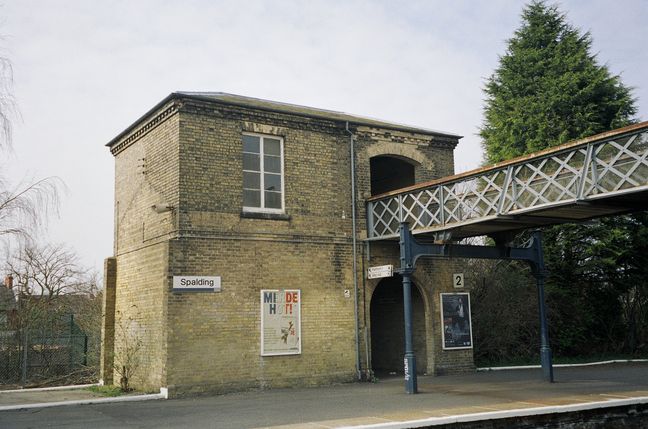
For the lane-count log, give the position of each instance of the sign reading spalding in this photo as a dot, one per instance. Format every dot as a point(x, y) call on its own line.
point(196, 284)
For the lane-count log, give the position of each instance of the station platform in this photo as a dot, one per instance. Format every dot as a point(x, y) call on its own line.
point(444, 401)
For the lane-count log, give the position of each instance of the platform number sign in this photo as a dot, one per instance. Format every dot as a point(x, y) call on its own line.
point(458, 280)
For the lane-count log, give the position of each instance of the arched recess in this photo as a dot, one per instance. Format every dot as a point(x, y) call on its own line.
point(403, 151)
point(388, 330)
point(391, 172)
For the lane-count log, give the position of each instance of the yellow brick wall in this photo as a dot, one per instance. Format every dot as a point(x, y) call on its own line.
point(146, 173)
point(192, 159)
point(140, 319)
point(214, 338)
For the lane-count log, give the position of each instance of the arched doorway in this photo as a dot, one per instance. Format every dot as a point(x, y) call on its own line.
point(389, 173)
point(388, 331)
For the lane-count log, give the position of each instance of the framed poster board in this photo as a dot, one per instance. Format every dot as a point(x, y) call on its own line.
point(280, 322)
point(455, 321)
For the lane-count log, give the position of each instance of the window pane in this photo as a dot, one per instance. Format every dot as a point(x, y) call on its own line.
point(251, 198)
point(272, 182)
point(251, 162)
point(251, 180)
point(271, 146)
point(251, 144)
point(273, 200)
point(272, 164)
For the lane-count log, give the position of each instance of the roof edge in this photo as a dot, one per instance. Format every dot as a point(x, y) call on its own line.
point(352, 119)
point(139, 120)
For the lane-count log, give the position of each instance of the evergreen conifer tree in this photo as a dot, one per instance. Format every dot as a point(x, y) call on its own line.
point(547, 90)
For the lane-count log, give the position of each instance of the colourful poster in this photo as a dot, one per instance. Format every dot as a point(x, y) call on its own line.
point(280, 322)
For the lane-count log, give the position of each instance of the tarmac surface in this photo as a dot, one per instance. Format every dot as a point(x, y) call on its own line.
point(477, 395)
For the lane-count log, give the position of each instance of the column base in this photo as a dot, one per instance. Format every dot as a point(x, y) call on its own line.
point(547, 366)
point(410, 374)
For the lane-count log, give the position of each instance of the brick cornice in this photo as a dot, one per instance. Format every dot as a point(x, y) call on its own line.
point(145, 127)
point(444, 142)
point(285, 120)
point(418, 139)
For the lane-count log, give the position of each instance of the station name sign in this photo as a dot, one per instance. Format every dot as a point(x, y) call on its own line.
point(196, 284)
point(380, 271)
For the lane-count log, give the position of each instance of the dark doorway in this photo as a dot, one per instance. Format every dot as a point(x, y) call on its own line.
point(389, 173)
point(387, 328)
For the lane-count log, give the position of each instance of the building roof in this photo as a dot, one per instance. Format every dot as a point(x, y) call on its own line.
point(294, 109)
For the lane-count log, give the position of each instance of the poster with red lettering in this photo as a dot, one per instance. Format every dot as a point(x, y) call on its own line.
point(280, 322)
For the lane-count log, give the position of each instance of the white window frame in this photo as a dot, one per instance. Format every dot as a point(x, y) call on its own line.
point(264, 209)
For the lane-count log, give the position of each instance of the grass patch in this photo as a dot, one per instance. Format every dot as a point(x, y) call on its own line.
point(109, 391)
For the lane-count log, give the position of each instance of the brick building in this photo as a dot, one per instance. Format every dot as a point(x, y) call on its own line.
point(257, 196)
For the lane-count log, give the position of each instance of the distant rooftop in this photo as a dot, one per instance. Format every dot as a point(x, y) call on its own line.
point(295, 109)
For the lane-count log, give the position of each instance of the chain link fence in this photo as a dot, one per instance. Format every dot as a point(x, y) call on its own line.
point(45, 354)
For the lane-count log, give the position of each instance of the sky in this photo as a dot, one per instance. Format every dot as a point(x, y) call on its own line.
point(85, 70)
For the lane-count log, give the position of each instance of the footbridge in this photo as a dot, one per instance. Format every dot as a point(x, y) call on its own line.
point(602, 175)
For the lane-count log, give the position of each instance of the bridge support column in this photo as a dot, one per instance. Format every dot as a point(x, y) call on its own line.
point(410, 357)
point(540, 273)
point(411, 250)
point(406, 270)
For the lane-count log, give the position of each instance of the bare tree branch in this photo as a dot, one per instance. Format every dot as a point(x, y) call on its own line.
point(26, 208)
point(49, 271)
point(8, 107)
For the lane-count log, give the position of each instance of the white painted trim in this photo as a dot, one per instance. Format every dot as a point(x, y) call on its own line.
point(561, 365)
point(493, 415)
point(132, 398)
point(45, 389)
point(262, 210)
point(261, 171)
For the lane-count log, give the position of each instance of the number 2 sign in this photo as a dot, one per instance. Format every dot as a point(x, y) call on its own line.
point(458, 280)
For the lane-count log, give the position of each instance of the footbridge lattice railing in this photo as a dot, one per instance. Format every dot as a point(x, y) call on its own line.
point(591, 169)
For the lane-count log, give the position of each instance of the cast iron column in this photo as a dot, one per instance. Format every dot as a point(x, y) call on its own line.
point(540, 273)
point(406, 270)
point(410, 358)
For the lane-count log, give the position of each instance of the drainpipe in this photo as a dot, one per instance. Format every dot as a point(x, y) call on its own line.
point(355, 251)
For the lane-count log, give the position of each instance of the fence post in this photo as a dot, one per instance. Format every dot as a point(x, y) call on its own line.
point(85, 350)
point(24, 360)
point(71, 345)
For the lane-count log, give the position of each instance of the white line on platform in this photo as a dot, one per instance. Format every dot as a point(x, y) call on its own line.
point(132, 398)
point(45, 389)
point(523, 412)
point(561, 365)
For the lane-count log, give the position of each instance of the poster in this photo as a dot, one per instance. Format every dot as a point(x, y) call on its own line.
point(455, 321)
point(280, 322)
